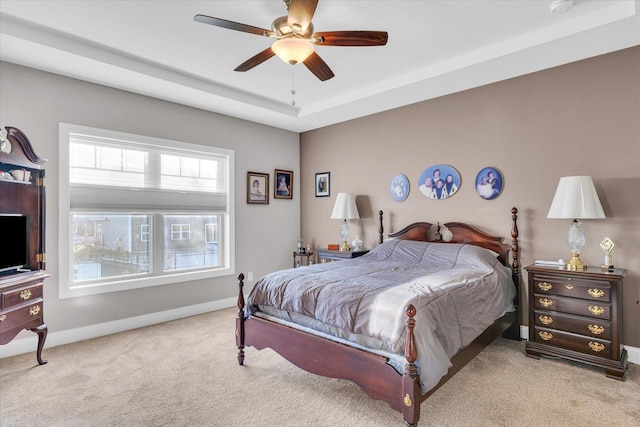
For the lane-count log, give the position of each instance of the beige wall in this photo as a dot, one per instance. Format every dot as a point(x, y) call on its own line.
point(35, 102)
point(578, 119)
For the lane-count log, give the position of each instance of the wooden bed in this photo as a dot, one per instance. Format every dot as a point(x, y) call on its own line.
point(371, 371)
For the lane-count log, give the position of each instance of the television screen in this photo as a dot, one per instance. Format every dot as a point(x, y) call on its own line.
point(13, 250)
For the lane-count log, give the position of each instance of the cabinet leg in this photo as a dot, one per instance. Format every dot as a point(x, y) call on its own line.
point(42, 336)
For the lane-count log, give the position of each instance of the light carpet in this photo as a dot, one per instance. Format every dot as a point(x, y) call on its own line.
point(185, 373)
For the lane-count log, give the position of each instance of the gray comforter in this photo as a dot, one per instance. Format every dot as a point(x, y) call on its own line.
point(458, 291)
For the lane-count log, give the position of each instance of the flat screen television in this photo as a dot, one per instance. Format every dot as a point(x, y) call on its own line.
point(15, 242)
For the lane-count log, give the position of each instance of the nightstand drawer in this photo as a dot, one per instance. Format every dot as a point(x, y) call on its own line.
point(601, 329)
point(575, 288)
point(20, 295)
point(572, 306)
point(21, 315)
point(593, 346)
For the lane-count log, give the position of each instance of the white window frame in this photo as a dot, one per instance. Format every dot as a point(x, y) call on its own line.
point(144, 232)
point(180, 231)
point(65, 242)
point(214, 233)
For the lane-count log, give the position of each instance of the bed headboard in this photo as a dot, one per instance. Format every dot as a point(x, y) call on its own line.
point(463, 233)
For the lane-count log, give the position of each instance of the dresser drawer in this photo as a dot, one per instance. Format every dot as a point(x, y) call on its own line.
point(601, 329)
point(20, 295)
point(572, 306)
point(571, 287)
point(21, 315)
point(592, 346)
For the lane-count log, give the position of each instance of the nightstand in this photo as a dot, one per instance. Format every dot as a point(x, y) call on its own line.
point(577, 315)
point(325, 255)
point(308, 255)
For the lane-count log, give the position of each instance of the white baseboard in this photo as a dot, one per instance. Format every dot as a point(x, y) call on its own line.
point(632, 352)
point(30, 343)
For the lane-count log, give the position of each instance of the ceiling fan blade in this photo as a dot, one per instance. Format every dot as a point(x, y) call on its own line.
point(317, 66)
point(351, 38)
point(223, 23)
point(255, 60)
point(300, 13)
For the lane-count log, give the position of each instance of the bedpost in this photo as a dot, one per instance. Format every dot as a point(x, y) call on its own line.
point(515, 247)
point(240, 321)
point(410, 380)
point(380, 229)
point(513, 332)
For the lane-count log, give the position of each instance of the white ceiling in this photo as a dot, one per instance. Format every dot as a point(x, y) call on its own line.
point(435, 48)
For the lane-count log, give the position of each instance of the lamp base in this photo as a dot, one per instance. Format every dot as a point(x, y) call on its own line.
point(344, 247)
point(575, 264)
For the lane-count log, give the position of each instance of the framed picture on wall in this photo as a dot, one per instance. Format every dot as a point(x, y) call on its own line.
point(489, 183)
point(283, 187)
point(322, 184)
point(258, 188)
point(439, 182)
point(399, 187)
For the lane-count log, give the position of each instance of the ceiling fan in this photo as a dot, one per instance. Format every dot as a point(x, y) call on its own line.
point(295, 38)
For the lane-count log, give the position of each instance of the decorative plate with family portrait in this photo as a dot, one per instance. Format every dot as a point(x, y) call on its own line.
point(399, 188)
point(489, 183)
point(439, 182)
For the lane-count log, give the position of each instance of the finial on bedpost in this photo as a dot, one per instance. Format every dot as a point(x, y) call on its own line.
point(240, 321)
point(380, 229)
point(410, 352)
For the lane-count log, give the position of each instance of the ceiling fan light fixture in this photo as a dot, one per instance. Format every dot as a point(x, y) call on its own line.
point(292, 50)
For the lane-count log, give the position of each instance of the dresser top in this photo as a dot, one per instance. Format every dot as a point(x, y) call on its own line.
point(590, 271)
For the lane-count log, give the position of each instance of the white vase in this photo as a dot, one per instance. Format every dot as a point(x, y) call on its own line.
point(357, 244)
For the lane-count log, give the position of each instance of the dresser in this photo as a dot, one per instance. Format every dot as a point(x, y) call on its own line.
point(22, 307)
point(22, 197)
point(577, 315)
point(326, 255)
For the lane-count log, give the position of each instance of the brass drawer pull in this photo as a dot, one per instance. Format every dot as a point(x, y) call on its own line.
point(4, 316)
point(568, 286)
point(26, 294)
point(34, 310)
point(546, 320)
point(596, 346)
point(596, 329)
point(596, 293)
point(544, 286)
point(596, 310)
point(545, 302)
point(545, 335)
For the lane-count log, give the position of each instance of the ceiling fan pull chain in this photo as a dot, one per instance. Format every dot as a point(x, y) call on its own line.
point(293, 86)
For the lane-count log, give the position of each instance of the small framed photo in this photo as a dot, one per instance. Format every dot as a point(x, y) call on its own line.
point(400, 187)
point(283, 187)
point(258, 188)
point(322, 184)
point(489, 183)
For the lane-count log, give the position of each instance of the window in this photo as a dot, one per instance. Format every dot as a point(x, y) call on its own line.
point(140, 211)
point(180, 231)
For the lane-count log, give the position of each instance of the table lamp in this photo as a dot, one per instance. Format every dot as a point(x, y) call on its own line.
point(344, 209)
point(576, 198)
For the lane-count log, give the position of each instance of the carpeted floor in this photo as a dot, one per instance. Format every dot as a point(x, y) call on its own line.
point(185, 373)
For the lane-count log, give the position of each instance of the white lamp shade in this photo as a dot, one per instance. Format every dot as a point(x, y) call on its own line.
point(345, 207)
point(292, 50)
point(576, 198)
